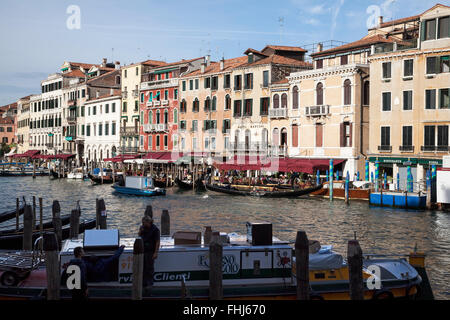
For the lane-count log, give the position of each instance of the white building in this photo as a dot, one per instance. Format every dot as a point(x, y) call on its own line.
point(102, 131)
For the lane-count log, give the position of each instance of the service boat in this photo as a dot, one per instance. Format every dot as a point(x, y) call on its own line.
point(138, 186)
point(260, 191)
point(254, 266)
point(357, 190)
point(77, 173)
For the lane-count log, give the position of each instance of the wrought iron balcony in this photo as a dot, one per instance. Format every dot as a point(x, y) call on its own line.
point(129, 131)
point(157, 127)
point(156, 103)
point(49, 145)
point(255, 147)
point(164, 102)
point(278, 112)
point(428, 148)
point(129, 149)
point(321, 110)
point(385, 148)
point(406, 148)
point(442, 148)
point(148, 84)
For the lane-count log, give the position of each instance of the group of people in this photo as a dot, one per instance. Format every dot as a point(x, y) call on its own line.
point(294, 179)
point(96, 269)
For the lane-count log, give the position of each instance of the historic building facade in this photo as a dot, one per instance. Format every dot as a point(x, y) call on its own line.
point(159, 96)
point(23, 125)
point(410, 104)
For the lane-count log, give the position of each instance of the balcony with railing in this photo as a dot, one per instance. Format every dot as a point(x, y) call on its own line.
point(135, 93)
point(156, 127)
point(430, 148)
point(164, 102)
point(129, 131)
point(72, 119)
point(147, 83)
point(385, 148)
point(254, 147)
point(278, 113)
point(314, 111)
point(156, 103)
point(49, 145)
point(406, 148)
point(278, 151)
point(71, 102)
point(129, 149)
point(394, 46)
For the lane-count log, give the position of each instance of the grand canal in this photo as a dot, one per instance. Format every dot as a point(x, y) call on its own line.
point(379, 230)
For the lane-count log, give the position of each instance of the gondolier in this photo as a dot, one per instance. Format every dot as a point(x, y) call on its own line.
point(150, 235)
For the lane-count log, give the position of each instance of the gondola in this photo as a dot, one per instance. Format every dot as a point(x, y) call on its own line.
point(257, 192)
point(15, 241)
point(159, 183)
point(57, 175)
point(98, 180)
point(46, 225)
point(5, 216)
point(199, 185)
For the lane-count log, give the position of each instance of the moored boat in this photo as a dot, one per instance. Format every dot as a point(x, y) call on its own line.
point(58, 175)
point(187, 185)
point(405, 200)
point(258, 191)
point(253, 267)
point(77, 173)
point(358, 190)
point(138, 186)
point(5, 216)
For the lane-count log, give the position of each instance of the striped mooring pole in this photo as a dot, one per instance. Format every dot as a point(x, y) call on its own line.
point(357, 176)
point(371, 176)
point(318, 177)
point(385, 181)
point(347, 179)
point(331, 179)
point(328, 177)
point(377, 175)
point(409, 179)
point(428, 179)
point(398, 181)
point(367, 170)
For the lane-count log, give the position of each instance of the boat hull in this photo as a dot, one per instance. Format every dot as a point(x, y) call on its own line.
point(139, 192)
point(199, 185)
point(5, 216)
point(266, 194)
point(353, 194)
point(98, 179)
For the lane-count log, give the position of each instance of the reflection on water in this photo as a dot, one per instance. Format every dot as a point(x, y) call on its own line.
point(379, 230)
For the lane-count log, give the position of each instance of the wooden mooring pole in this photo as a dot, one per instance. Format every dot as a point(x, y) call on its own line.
point(27, 228)
point(34, 212)
point(17, 214)
point(355, 274)
point(57, 225)
point(302, 265)
point(41, 222)
point(149, 211)
point(215, 267)
point(74, 224)
point(165, 223)
point(52, 266)
point(138, 269)
point(101, 214)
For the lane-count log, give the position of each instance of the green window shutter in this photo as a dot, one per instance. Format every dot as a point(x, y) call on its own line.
point(223, 126)
point(261, 106)
point(251, 81)
point(422, 31)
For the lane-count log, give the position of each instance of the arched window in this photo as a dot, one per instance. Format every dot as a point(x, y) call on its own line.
point(236, 139)
point(214, 103)
point(275, 137)
point(117, 79)
point(207, 106)
point(347, 92)
point(265, 138)
point(283, 141)
point(227, 102)
point(247, 140)
point(166, 116)
point(276, 101)
point(284, 100)
point(295, 98)
point(366, 93)
point(183, 106)
point(319, 93)
point(195, 105)
point(175, 116)
point(113, 151)
point(158, 120)
point(150, 117)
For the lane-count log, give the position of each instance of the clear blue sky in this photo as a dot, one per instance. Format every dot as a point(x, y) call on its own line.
point(35, 40)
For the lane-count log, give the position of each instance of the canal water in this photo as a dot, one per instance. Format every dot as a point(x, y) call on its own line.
point(379, 230)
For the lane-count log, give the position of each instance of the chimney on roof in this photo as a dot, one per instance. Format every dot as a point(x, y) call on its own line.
point(111, 91)
point(207, 59)
point(319, 47)
point(203, 67)
point(380, 20)
point(250, 57)
point(222, 63)
point(117, 65)
point(97, 94)
point(104, 62)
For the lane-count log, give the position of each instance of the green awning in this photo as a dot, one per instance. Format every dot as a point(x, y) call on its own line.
point(165, 70)
point(405, 160)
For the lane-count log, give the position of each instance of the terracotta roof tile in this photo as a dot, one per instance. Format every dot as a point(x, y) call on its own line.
point(116, 92)
point(284, 48)
point(154, 63)
point(362, 43)
point(179, 62)
point(74, 74)
point(83, 65)
point(214, 67)
point(277, 59)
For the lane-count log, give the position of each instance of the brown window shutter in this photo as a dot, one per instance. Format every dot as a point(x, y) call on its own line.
point(351, 134)
point(342, 134)
point(294, 135)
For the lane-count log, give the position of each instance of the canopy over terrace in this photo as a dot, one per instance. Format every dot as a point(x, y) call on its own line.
point(242, 163)
point(27, 154)
point(121, 158)
point(162, 157)
point(62, 156)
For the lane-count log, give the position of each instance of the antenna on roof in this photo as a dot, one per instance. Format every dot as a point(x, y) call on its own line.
point(281, 22)
point(112, 54)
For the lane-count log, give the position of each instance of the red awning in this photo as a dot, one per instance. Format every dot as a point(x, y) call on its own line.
point(163, 156)
point(27, 154)
point(276, 164)
point(121, 158)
